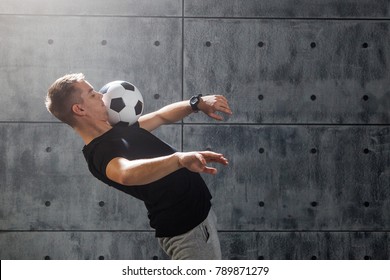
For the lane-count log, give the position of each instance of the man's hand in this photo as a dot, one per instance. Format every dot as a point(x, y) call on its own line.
point(210, 104)
point(197, 161)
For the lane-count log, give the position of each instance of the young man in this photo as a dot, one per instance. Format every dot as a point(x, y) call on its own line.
point(136, 162)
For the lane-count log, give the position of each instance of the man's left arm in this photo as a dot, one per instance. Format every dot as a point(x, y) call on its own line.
point(210, 105)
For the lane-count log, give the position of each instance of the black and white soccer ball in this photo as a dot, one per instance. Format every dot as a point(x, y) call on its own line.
point(124, 102)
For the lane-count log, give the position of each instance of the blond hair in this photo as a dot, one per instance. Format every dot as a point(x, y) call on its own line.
point(62, 95)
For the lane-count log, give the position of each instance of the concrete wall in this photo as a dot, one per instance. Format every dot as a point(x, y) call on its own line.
point(308, 144)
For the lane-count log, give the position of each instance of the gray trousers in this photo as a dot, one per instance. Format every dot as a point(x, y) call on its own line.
point(200, 243)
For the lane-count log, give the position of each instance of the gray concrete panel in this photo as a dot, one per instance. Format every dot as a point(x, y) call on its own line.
point(80, 246)
point(38, 50)
point(93, 7)
point(287, 8)
point(234, 245)
point(293, 71)
point(45, 183)
point(308, 144)
point(305, 245)
point(298, 177)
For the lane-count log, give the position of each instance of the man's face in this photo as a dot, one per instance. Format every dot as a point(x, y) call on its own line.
point(92, 102)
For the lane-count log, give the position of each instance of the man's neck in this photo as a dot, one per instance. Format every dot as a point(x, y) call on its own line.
point(88, 132)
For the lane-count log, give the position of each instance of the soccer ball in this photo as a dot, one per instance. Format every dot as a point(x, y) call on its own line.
point(124, 102)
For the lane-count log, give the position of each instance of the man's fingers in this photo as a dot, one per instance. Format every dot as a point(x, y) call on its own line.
point(215, 116)
point(214, 157)
point(221, 160)
point(201, 158)
point(222, 99)
point(216, 103)
point(223, 105)
point(209, 170)
point(204, 168)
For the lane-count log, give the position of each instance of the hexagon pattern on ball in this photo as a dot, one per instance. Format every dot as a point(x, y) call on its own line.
point(123, 101)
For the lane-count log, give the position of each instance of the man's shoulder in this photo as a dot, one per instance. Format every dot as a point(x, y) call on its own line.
point(110, 138)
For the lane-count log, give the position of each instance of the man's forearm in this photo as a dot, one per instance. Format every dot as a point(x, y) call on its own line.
point(175, 112)
point(209, 105)
point(169, 114)
point(145, 171)
point(142, 171)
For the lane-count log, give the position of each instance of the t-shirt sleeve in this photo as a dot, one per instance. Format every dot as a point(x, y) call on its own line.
point(106, 152)
point(103, 151)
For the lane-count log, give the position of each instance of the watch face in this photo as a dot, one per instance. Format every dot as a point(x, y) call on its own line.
point(194, 103)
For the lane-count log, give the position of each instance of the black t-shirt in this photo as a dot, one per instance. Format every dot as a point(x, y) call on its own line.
point(176, 203)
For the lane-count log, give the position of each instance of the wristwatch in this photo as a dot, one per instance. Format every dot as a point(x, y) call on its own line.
point(194, 101)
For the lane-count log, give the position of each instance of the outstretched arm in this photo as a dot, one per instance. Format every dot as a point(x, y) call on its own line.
point(145, 171)
point(172, 113)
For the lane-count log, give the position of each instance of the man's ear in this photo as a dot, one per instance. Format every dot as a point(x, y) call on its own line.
point(78, 109)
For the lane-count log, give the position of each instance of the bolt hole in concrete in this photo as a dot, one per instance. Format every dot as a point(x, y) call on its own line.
point(261, 203)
